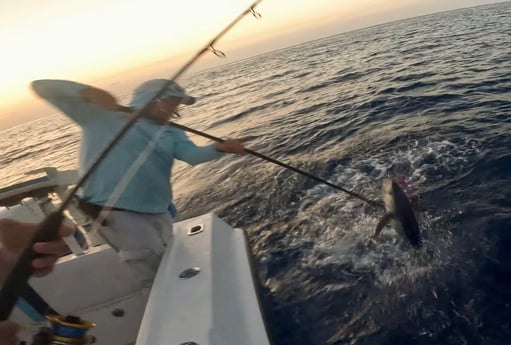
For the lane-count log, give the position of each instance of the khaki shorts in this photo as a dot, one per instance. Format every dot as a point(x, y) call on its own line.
point(140, 239)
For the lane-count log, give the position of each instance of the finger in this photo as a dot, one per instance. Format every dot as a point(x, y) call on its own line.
point(15, 235)
point(42, 272)
point(235, 147)
point(56, 247)
point(66, 230)
point(44, 262)
point(50, 248)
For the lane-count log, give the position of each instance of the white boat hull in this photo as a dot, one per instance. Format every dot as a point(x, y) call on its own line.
point(217, 306)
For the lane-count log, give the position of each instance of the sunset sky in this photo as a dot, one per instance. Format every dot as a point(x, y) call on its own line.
point(87, 40)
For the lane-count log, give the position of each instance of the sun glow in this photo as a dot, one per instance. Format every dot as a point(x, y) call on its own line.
point(87, 40)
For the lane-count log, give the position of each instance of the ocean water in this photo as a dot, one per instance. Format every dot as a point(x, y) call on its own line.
point(431, 93)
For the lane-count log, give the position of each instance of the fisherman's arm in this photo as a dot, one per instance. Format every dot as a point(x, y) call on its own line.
point(187, 151)
point(80, 102)
point(103, 99)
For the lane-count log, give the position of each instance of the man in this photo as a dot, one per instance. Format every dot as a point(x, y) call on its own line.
point(14, 237)
point(139, 224)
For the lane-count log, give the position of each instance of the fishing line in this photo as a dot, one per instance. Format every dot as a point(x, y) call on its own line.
point(48, 228)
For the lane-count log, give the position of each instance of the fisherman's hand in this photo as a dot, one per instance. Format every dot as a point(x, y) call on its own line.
point(233, 145)
point(8, 331)
point(101, 98)
point(15, 236)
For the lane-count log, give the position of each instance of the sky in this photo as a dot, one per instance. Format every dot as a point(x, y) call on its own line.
point(91, 40)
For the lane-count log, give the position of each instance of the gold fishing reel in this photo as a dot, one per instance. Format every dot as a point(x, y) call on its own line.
point(65, 330)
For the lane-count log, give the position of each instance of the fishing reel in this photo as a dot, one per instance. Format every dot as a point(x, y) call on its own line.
point(65, 330)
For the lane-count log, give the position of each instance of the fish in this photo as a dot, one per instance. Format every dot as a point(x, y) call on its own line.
point(399, 213)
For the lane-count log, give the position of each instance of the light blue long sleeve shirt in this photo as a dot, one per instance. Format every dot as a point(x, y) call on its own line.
point(150, 189)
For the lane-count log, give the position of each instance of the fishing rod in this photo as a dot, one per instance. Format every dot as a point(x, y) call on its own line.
point(48, 228)
point(282, 164)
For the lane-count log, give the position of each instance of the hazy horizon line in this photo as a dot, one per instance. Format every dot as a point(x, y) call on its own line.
point(245, 58)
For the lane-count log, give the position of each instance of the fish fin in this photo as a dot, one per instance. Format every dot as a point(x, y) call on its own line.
point(384, 221)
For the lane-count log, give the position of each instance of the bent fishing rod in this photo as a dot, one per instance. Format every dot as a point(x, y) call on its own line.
point(17, 280)
point(282, 164)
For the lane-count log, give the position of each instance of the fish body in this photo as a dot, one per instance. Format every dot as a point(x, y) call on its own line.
point(399, 213)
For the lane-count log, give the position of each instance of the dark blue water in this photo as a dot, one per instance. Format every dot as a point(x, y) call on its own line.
point(432, 94)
